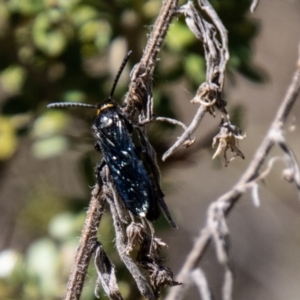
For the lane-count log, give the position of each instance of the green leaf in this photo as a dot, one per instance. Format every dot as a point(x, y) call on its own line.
point(49, 147)
point(42, 261)
point(12, 79)
point(83, 14)
point(49, 34)
point(26, 7)
point(66, 226)
point(49, 123)
point(8, 139)
point(179, 37)
point(195, 67)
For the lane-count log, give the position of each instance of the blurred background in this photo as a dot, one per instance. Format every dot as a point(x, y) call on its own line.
point(58, 50)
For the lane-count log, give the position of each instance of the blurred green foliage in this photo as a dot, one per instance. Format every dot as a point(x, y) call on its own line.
point(66, 50)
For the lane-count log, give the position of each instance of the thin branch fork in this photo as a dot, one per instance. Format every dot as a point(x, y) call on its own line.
point(227, 201)
point(209, 93)
point(140, 90)
point(141, 77)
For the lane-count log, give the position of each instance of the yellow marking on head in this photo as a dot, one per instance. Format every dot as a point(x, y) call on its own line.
point(103, 107)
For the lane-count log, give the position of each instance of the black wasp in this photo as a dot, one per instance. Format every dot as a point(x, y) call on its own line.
point(134, 178)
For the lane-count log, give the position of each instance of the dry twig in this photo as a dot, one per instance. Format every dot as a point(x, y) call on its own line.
point(253, 5)
point(209, 94)
point(200, 281)
point(139, 97)
point(86, 246)
point(216, 229)
point(106, 274)
point(121, 244)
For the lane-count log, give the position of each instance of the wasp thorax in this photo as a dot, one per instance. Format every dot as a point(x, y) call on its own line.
point(106, 118)
point(105, 121)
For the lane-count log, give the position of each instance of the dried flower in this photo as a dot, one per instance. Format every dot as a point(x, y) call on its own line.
point(106, 275)
point(209, 95)
point(228, 138)
point(160, 277)
point(136, 234)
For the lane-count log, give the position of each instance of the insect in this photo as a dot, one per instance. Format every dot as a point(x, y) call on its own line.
point(135, 179)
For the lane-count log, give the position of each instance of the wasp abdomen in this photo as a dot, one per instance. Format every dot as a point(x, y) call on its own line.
point(132, 181)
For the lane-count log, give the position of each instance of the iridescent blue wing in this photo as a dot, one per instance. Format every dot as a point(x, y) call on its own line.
point(127, 170)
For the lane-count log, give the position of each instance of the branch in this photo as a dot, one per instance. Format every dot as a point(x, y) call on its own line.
point(226, 202)
point(121, 244)
point(86, 246)
point(140, 88)
point(139, 95)
point(209, 93)
point(106, 275)
point(200, 281)
point(253, 5)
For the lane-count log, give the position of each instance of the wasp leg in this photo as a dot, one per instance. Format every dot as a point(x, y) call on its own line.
point(97, 146)
point(99, 167)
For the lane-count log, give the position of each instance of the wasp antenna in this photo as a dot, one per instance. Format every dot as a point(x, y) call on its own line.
point(125, 60)
point(71, 104)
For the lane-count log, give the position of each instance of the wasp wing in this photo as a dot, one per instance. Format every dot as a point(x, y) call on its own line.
point(129, 174)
